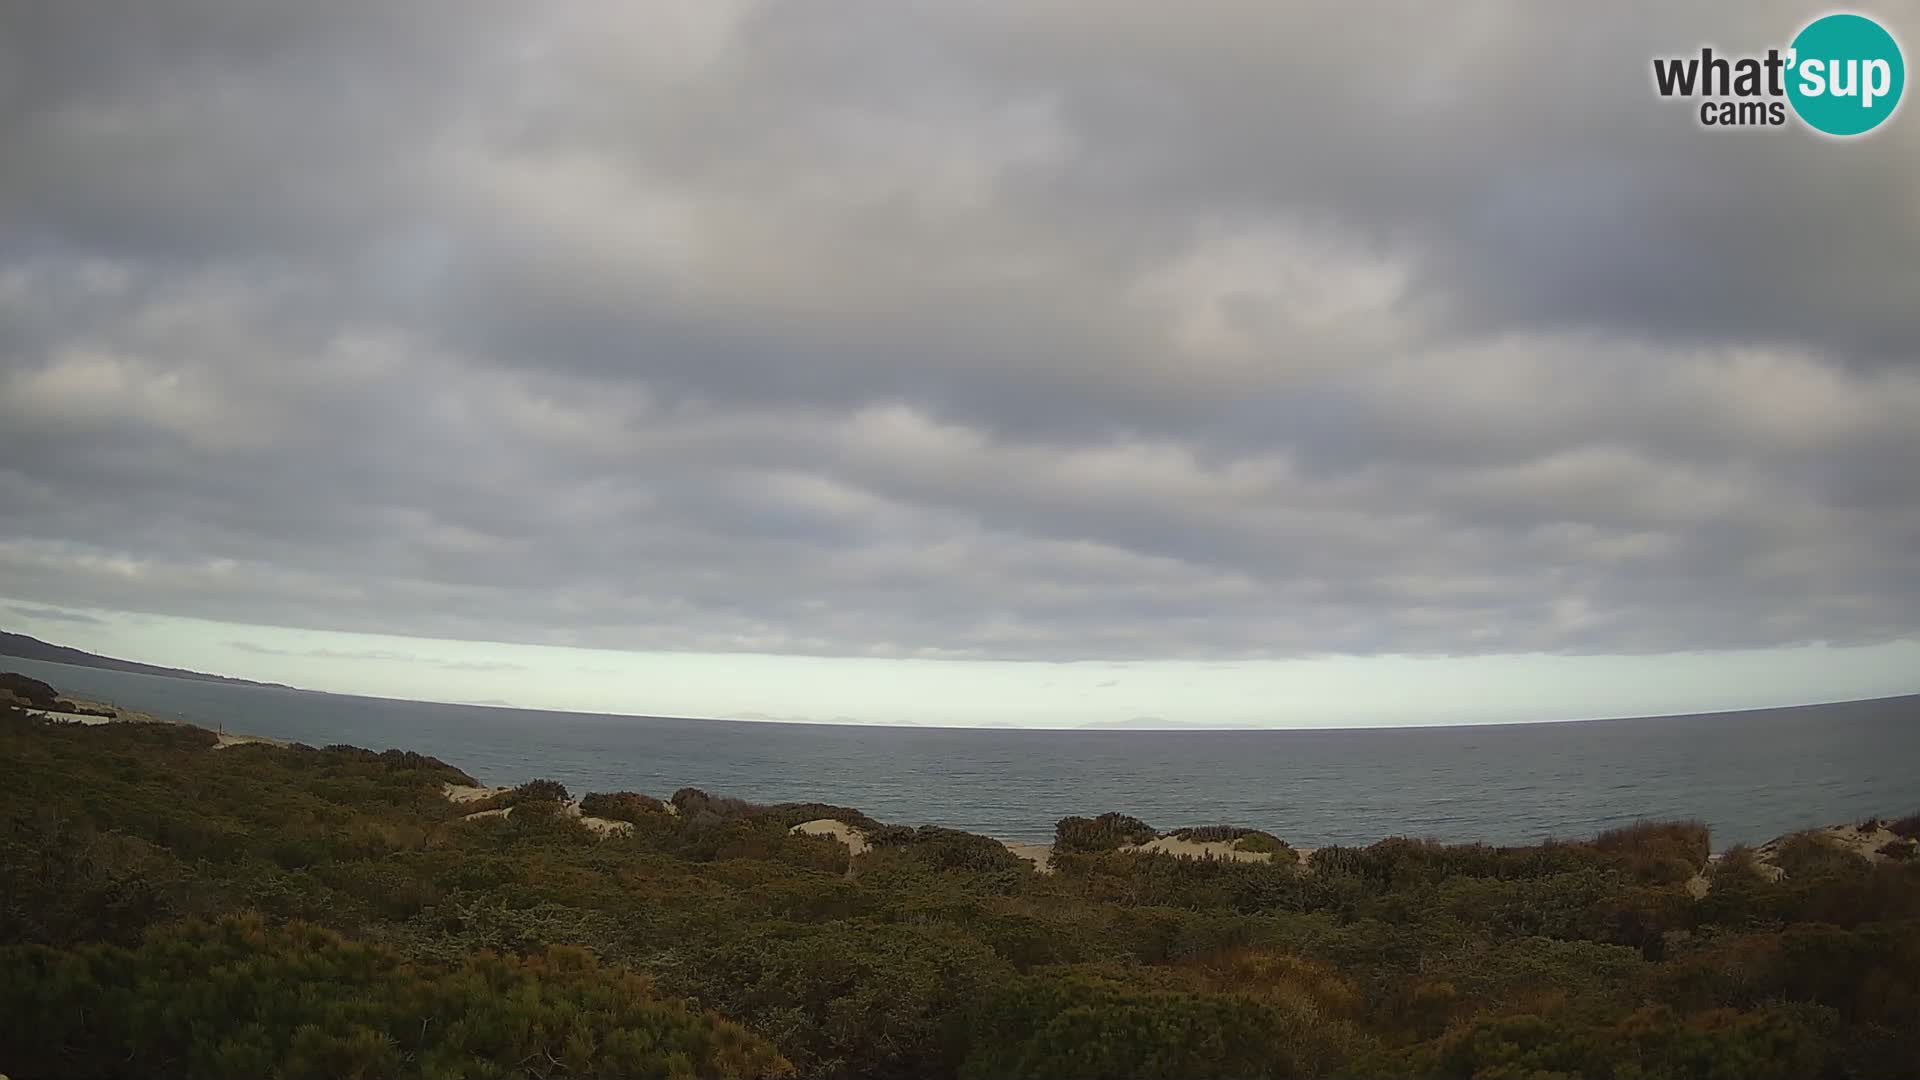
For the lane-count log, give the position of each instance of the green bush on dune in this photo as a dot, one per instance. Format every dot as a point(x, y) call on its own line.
point(621, 806)
point(1103, 833)
point(289, 911)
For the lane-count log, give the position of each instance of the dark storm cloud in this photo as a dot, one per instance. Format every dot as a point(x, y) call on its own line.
point(955, 330)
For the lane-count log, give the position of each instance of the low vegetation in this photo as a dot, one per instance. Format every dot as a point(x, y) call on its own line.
point(1104, 833)
point(297, 912)
point(621, 806)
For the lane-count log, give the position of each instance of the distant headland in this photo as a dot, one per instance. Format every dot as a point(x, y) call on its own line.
point(31, 648)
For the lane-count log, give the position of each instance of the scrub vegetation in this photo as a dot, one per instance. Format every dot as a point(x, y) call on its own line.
point(167, 910)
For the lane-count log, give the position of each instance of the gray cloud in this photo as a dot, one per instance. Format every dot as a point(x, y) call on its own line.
point(979, 330)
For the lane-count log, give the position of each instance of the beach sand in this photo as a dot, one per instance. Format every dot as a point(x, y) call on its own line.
point(1040, 855)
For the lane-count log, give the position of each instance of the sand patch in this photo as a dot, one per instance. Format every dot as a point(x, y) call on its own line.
point(605, 827)
point(224, 740)
point(1199, 849)
point(85, 719)
point(1863, 840)
point(1040, 855)
point(855, 839)
point(466, 793)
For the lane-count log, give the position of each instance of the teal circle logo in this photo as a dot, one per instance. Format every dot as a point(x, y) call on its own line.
point(1845, 74)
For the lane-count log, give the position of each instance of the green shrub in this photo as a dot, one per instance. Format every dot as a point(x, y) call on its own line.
point(1400, 958)
point(621, 806)
point(537, 791)
point(1103, 833)
point(1070, 1028)
point(236, 999)
point(850, 999)
point(1260, 842)
point(1776, 1044)
point(699, 810)
point(1660, 851)
point(949, 849)
point(1207, 834)
point(1899, 850)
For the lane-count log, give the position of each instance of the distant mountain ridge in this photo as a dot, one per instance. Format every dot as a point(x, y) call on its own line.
point(30, 648)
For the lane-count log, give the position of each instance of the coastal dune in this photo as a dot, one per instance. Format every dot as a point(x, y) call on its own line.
point(1873, 840)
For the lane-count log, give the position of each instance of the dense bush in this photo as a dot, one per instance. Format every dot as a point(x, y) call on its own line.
point(849, 999)
point(238, 1000)
point(541, 791)
point(621, 806)
point(1260, 843)
point(1773, 1044)
point(700, 810)
point(1075, 1028)
point(1657, 850)
point(948, 849)
point(1103, 833)
point(1203, 834)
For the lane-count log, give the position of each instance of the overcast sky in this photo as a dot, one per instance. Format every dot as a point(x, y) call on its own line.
point(774, 341)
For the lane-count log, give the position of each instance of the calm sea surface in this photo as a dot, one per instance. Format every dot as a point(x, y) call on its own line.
point(1750, 775)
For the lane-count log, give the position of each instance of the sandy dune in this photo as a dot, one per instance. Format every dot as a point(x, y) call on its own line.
point(1865, 842)
point(467, 793)
point(855, 839)
point(1199, 849)
point(1037, 854)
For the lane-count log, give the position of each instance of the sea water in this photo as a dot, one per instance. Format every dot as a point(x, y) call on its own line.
point(1750, 775)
